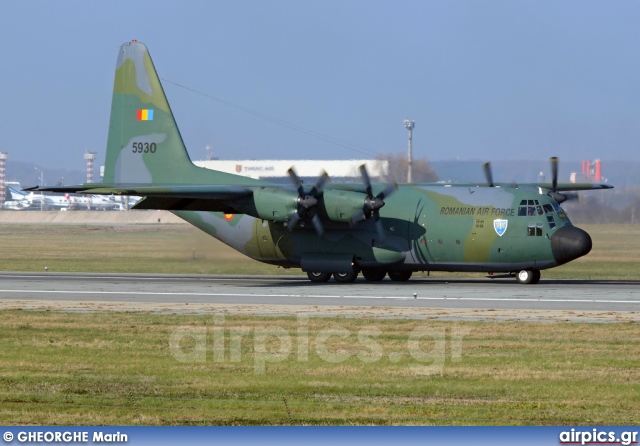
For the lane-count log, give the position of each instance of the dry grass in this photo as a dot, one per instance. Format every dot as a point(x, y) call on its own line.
point(176, 249)
point(58, 368)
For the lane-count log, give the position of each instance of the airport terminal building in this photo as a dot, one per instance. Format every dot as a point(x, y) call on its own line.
point(309, 170)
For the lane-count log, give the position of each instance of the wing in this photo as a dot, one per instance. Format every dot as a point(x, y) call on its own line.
point(569, 187)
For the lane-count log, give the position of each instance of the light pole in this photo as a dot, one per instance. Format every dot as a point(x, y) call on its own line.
point(409, 124)
point(3, 163)
point(41, 185)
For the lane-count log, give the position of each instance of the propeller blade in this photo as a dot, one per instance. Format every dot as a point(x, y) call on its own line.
point(366, 180)
point(388, 191)
point(554, 174)
point(297, 182)
point(359, 216)
point(488, 175)
point(317, 189)
point(293, 221)
point(317, 224)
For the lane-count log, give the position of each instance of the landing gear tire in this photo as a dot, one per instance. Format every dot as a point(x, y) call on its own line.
point(373, 275)
point(345, 277)
point(318, 277)
point(528, 276)
point(400, 276)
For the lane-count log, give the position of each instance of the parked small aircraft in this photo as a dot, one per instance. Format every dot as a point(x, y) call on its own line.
point(69, 202)
point(328, 229)
point(17, 200)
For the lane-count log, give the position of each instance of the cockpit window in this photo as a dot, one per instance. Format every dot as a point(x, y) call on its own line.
point(522, 210)
point(530, 208)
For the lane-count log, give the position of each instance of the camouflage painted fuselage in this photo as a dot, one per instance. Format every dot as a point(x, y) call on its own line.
point(441, 227)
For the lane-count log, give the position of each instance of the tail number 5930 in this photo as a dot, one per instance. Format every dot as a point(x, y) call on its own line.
point(144, 147)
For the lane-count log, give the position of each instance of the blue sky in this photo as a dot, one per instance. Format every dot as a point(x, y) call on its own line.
point(483, 80)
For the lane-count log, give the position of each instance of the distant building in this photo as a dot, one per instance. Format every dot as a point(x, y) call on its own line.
point(338, 170)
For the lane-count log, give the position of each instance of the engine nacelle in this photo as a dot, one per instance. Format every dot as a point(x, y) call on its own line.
point(275, 204)
point(341, 205)
point(562, 197)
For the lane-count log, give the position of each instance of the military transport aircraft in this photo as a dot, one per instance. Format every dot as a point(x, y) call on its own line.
point(329, 230)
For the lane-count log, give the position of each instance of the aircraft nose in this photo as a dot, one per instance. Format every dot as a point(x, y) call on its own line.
point(569, 243)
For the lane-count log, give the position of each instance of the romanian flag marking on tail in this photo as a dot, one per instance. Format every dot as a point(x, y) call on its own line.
point(144, 115)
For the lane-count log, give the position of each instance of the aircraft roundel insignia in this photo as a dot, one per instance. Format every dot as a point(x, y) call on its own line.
point(228, 217)
point(500, 226)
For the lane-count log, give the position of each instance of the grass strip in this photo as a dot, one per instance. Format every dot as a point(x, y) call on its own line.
point(119, 368)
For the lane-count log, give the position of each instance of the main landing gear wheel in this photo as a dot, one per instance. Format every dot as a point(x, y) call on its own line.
point(345, 277)
point(528, 276)
point(374, 275)
point(400, 276)
point(318, 277)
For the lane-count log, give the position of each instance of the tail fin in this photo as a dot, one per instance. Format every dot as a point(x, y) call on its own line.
point(144, 144)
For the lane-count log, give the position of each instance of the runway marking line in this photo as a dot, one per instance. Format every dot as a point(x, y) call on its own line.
point(490, 299)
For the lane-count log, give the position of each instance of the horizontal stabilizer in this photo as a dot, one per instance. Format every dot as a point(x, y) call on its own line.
point(63, 189)
point(171, 197)
point(211, 191)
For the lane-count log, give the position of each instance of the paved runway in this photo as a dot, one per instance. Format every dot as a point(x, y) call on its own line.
point(282, 293)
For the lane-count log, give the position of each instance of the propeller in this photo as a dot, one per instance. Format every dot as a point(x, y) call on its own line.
point(554, 174)
point(488, 175)
point(372, 204)
point(559, 197)
point(306, 202)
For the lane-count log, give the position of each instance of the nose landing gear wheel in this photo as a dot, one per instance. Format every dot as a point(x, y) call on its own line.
point(345, 277)
point(528, 276)
point(318, 277)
